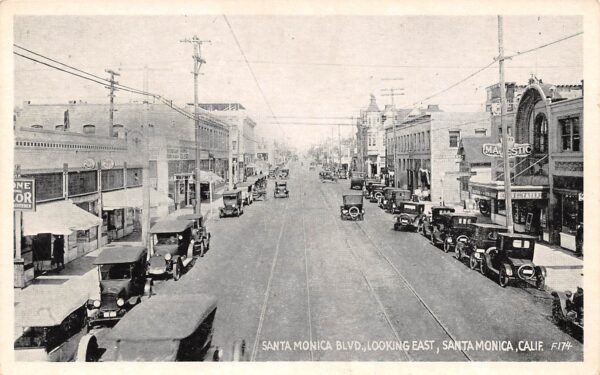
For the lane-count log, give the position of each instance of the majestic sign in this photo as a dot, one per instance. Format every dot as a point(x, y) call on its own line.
point(514, 149)
point(24, 194)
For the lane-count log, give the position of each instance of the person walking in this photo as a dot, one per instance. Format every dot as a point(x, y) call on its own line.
point(59, 252)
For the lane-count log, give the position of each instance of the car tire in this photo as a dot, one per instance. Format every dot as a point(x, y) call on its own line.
point(176, 271)
point(540, 282)
point(483, 267)
point(432, 238)
point(503, 278)
point(148, 288)
point(446, 246)
point(472, 262)
point(458, 252)
point(87, 349)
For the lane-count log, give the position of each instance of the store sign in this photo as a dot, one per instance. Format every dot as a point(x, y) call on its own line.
point(89, 164)
point(24, 194)
point(517, 150)
point(483, 193)
point(522, 195)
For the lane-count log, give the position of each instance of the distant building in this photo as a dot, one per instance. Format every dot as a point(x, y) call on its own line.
point(370, 140)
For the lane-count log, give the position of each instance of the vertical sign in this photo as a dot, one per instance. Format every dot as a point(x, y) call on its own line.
point(24, 194)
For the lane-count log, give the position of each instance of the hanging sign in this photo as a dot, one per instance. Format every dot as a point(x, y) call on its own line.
point(24, 194)
point(517, 150)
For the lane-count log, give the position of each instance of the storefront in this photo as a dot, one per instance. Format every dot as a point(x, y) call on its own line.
point(568, 210)
point(60, 222)
point(529, 206)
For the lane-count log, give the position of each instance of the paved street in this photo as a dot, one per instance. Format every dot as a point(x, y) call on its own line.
point(297, 283)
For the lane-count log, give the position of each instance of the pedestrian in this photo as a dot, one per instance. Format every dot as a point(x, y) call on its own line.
point(59, 252)
point(579, 239)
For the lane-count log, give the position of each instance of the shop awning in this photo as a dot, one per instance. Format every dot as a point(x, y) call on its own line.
point(61, 217)
point(113, 200)
point(206, 176)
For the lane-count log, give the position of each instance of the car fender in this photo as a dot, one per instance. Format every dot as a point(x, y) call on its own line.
point(508, 268)
point(541, 270)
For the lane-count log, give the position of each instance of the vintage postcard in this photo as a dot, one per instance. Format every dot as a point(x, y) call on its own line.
point(349, 187)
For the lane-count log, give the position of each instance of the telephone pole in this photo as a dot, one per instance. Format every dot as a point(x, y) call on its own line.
point(112, 99)
point(198, 61)
point(391, 93)
point(505, 145)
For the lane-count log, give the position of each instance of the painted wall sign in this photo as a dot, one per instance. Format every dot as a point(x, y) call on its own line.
point(522, 195)
point(24, 194)
point(517, 150)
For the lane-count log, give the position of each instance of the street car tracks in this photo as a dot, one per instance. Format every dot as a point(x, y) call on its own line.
point(386, 260)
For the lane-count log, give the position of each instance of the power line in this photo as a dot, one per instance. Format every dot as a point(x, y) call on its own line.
point(543, 45)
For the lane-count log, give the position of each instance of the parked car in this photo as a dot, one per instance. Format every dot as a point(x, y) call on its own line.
point(167, 328)
point(386, 197)
point(410, 214)
point(512, 259)
point(567, 312)
point(281, 190)
point(451, 228)
point(247, 192)
point(398, 195)
point(357, 180)
point(200, 235)
point(232, 203)
point(171, 247)
point(431, 218)
point(260, 189)
point(124, 282)
point(352, 207)
point(328, 176)
point(48, 330)
point(375, 192)
point(284, 173)
point(483, 236)
point(342, 174)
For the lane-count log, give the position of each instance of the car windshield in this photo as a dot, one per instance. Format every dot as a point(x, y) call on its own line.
point(117, 271)
point(353, 199)
point(358, 175)
point(520, 249)
point(409, 208)
point(461, 220)
point(229, 199)
point(166, 239)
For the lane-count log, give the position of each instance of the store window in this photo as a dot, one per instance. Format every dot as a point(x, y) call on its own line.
point(82, 182)
point(481, 132)
point(569, 134)
point(134, 177)
point(454, 136)
point(572, 213)
point(48, 186)
point(540, 134)
point(112, 179)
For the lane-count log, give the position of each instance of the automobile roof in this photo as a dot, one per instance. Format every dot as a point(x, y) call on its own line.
point(190, 217)
point(458, 214)
point(278, 182)
point(245, 184)
point(120, 254)
point(353, 199)
point(231, 192)
point(171, 226)
point(411, 202)
point(442, 207)
point(488, 225)
point(517, 235)
point(44, 311)
point(176, 316)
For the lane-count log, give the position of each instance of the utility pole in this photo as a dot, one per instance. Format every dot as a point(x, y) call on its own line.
point(198, 61)
point(505, 145)
point(391, 93)
point(112, 99)
point(339, 146)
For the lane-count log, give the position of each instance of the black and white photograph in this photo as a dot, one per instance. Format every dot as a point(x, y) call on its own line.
point(229, 186)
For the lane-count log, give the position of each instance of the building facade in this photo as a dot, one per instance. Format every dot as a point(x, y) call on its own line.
point(370, 140)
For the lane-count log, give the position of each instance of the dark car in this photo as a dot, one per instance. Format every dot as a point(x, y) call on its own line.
point(122, 272)
point(233, 204)
point(512, 259)
point(328, 176)
point(357, 181)
point(386, 197)
point(342, 173)
point(410, 214)
point(483, 236)
point(281, 190)
point(429, 220)
point(398, 195)
point(451, 228)
point(352, 207)
point(567, 312)
point(167, 328)
point(171, 247)
point(375, 192)
point(260, 188)
point(247, 189)
point(284, 173)
point(200, 234)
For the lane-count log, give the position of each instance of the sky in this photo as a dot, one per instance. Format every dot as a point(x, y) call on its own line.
point(307, 66)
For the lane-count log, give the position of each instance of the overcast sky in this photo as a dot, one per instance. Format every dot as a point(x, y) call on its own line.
point(306, 65)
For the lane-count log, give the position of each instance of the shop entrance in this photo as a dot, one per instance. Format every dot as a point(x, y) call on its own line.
point(185, 190)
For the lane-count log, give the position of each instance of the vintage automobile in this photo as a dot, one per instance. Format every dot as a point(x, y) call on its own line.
point(47, 330)
point(451, 228)
point(328, 176)
point(284, 173)
point(273, 173)
point(375, 192)
point(167, 328)
point(232, 203)
point(200, 235)
point(410, 214)
point(386, 198)
point(342, 174)
point(281, 190)
point(352, 207)
point(260, 189)
point(357, 181)
point(398, 195)
point(247, 189)
point(430, 218)
point(122, 272)
point(171, 251)
point(512, 259)
point(483, 236)
point(567, 312)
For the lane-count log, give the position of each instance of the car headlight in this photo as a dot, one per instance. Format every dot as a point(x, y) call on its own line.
point(120, 302)
point(363, 211)
point(345, 211)
point(167, 256)
point(477, 255)
point(449, 239)
point(385, 201)
point(96, 303)
point(394, 205)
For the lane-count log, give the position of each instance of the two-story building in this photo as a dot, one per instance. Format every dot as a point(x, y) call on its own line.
point(370, 139)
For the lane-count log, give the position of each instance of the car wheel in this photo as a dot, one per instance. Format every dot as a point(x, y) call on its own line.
point(87, 349)
point(472, 262)
point(176, 271)
point(503, 277)
point(446, 246)
point(148, 288)
point(432, 238)
point(458, 252)
point(483, 267)
point(540, 282)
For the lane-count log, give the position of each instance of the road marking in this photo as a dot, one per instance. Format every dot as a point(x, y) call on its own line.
point(268, 290)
